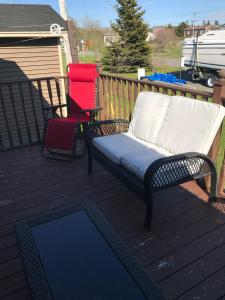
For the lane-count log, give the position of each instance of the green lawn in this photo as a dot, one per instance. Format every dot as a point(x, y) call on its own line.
point(221, 149)
point(173, 50)
point(161, 69)
point(87, 59)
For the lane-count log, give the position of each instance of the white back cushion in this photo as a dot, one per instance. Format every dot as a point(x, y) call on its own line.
point(189, 125)
point(149, 111)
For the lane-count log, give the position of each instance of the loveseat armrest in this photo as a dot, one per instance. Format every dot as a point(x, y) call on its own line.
point(103, 128)
point(177, 169)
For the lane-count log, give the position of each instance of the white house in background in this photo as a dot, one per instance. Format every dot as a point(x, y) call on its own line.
point(151, 37)
point(111, 36)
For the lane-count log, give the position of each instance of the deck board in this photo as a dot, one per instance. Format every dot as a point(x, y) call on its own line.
point(184, 253)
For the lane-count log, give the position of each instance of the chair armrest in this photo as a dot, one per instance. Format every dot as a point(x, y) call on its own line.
point(90, 110)
point(93, 112)
point(177, 169)
point(52, 109)
point(103, 128)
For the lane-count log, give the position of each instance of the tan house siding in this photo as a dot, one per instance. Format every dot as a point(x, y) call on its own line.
point(31, 59)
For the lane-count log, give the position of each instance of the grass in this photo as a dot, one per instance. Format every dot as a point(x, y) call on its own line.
point(87, 59)
point(162, 69)
point(172, 50)
point(166, 69)
point(221, 149)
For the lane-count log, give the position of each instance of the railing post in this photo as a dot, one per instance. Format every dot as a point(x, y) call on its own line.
point(101, 98)
point(221, 188)
point(218, 97)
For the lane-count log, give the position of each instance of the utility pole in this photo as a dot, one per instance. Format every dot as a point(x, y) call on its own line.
point(62, 8)
point(193, 21)
point(69, 40)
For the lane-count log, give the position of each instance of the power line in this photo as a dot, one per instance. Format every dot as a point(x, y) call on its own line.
point(84, 8)
point(188, 16)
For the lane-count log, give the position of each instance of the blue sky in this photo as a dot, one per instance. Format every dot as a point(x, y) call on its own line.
point(157, 12)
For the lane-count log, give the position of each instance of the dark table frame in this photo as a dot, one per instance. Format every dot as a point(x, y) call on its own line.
point(32, 264)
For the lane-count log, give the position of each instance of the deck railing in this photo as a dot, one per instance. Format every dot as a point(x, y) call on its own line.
point(22, 106)
point(118, 94)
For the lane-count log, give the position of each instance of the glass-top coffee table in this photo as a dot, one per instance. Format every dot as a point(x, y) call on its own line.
point(75, 254)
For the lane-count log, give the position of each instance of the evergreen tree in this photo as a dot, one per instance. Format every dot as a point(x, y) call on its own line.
point(131, 50)
point(216, 23)
point(112, 58)
point(180, 29)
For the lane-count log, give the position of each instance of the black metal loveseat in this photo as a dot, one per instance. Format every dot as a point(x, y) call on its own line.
point(165, 144)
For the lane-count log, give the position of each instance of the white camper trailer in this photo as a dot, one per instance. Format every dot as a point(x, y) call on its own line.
point(205, 55)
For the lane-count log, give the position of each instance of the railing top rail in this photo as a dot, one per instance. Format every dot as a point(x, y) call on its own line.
point(33, 79)
point(161, 85)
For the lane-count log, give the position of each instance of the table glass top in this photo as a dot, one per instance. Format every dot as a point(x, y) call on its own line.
point(78, 263)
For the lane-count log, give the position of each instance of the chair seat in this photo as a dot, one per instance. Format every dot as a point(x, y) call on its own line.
point(82, 118)
point(115, 146)
point(60, 133)
point(132, 153)
point(137, 162)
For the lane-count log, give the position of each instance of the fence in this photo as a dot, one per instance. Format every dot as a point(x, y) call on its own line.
point(118, 94)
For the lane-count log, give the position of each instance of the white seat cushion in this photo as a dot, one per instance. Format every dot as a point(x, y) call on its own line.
point(149, 112)
point(189, 125)
point(137, 162)
point(118, 146)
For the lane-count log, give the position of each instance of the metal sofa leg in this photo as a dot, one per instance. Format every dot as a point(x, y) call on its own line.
point(89, 159)
point(148, 212)
point(213, 193)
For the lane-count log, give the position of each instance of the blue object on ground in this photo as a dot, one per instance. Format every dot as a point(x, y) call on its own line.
point(169, 78)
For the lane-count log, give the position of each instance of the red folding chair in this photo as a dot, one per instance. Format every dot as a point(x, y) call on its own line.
point(61, 135)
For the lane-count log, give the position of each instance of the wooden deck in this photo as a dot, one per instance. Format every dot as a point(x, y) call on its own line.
point(184, 254)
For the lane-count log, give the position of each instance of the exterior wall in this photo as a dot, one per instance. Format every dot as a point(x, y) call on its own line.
point(197, 31)
point(110, 38)
point(25, 60)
